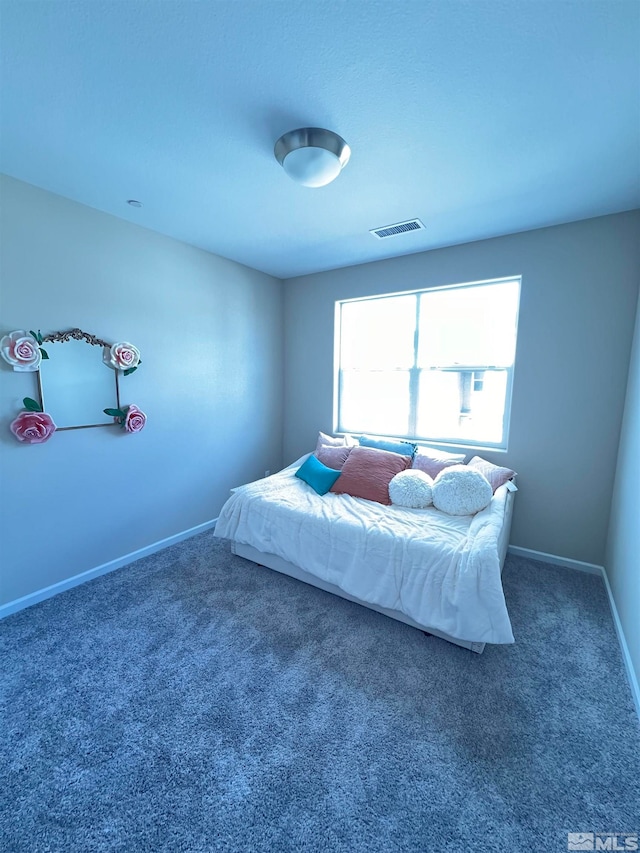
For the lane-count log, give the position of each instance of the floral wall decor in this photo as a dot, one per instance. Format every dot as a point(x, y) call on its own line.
point(23, 352)
point(131, 418)
point(33, 426)
point(123, 356)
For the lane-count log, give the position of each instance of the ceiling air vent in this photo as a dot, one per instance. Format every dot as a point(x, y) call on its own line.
point(398, 228)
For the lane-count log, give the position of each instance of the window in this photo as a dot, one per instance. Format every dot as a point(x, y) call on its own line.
point(433, 364)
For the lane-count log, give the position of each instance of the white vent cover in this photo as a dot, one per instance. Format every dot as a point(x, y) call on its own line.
point(398, 228)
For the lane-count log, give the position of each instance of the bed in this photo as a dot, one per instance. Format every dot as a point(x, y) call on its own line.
point(436, 572)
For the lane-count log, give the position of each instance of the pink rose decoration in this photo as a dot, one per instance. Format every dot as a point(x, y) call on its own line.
point(122, 356)
point(135, 419)
point(33, 427)
point(21, 351)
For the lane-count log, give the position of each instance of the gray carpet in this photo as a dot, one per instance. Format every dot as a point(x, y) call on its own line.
point(196, 702)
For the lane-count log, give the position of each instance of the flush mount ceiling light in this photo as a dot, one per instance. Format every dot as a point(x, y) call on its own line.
point(312, 156)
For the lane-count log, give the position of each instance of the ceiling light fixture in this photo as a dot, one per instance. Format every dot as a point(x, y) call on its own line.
point(312, 156)
point(133, 202)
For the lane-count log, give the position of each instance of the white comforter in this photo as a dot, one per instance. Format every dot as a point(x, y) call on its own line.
point(441, 570)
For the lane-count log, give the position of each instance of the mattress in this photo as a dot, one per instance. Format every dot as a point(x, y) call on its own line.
point(440, 570)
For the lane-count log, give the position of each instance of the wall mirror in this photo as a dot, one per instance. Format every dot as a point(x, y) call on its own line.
point(74, 385)
point(78, 382)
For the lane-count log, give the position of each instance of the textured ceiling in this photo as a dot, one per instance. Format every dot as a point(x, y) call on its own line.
point(479, 118)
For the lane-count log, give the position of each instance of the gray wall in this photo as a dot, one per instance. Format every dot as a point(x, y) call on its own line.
point(579, 292)
point(210, 333)
point(623, 547)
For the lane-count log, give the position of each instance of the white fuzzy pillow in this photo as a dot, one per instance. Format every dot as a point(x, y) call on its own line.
point(411, 489)
point(460, 490)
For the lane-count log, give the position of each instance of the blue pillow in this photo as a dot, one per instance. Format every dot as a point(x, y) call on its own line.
point(317, 475)
point(404, 448)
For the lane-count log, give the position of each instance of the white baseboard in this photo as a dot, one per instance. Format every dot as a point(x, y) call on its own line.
point(567, 562)
point(90, 574)
point(592, 569)
point(626, 656)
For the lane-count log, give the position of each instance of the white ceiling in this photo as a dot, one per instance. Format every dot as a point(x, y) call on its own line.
point(479, 118)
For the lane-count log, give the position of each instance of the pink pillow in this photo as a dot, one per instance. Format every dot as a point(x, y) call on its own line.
point(433, 461)
point(332, 457)
point(368, 472)
point(325, 440)
point(496, 475)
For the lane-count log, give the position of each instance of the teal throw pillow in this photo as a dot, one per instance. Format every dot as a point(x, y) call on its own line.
point(317, 475)
point(404, 448)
